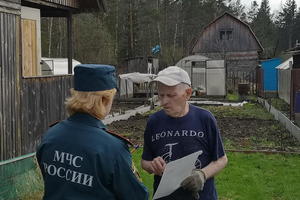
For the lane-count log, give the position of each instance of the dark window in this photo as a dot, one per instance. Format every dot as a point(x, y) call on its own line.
point(222, 35)
point(226, 35)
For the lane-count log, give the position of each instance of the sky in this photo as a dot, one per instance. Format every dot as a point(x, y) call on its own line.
point(274, 4)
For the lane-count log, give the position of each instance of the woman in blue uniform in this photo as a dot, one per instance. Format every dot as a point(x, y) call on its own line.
point(78, 158)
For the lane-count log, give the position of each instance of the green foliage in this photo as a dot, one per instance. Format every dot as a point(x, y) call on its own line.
point(264, 28)
point(280, 104)
point(286, 21)
point(156, 108)
point(248, 111)
point(20, 178)
point(232, 97)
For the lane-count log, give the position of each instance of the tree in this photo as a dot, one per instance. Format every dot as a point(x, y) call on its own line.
point(237, 9)
point(296, 32)
point(264, 28)
point(286, 23)
point(252, 13)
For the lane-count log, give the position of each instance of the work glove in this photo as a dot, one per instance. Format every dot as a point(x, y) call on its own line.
point(194, 182)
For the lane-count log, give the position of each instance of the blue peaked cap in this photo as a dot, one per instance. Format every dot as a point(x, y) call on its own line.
point(94, 77)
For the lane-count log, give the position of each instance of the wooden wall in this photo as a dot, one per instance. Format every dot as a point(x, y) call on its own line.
point(242, 38)
point(27, 105)
point(42, 103)
point(29, 48)
point(9, 85)
point(69, 3)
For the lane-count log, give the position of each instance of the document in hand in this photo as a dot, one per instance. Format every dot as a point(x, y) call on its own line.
point(175, 172)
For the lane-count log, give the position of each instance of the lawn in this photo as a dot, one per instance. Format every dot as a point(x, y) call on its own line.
point(251, 176)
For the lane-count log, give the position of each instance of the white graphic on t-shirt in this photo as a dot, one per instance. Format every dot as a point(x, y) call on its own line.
point(168, 156)
point(198, 164)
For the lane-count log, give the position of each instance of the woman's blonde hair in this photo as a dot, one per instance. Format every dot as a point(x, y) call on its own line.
point(93, 103)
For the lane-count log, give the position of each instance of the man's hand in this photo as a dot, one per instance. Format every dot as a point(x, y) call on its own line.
point(195, 182)
point(158, 165)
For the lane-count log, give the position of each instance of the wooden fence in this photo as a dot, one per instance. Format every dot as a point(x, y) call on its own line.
point(295, 87)
point(260, 82)
point(27, 111)
point(234, 78)
point(42, 103)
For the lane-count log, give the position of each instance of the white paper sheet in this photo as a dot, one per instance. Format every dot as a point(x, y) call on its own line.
point(175, 172)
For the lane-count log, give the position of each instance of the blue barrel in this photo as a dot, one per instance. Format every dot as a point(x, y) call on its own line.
point(297, 102)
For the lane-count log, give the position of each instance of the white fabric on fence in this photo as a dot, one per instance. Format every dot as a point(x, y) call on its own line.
point(137, 77)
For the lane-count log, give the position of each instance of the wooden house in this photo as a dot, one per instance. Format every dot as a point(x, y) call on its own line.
point(29, 102)
point(228, 38)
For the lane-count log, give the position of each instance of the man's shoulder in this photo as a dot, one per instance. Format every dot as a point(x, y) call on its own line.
point(157, 115)
point(201, 111)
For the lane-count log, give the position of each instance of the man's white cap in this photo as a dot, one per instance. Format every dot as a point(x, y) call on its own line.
point(172, 76)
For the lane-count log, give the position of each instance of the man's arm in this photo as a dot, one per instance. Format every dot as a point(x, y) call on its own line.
point(147, 166)
point(156, 166)
point(215, 167)
point(195, 182)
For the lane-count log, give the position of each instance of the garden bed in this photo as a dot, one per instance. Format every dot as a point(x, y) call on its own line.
point(249, 127)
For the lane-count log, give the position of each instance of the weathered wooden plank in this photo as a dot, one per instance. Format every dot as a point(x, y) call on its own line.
point(10, 5)
point(18, 89)
point(10, 86)
point(1, 87)
point(55, 3)
point(6, 89)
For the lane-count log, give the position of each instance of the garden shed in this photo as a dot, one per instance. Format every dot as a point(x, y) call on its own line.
point(207, 75)
point(230, 39)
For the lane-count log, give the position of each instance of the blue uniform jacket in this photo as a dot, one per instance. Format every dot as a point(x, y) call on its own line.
point(80, 160)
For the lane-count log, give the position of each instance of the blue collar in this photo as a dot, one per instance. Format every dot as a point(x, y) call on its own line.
point(87, 119)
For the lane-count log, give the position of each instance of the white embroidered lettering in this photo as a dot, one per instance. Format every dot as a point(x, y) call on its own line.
point(69, 158)
point(53, 170)
point(74, 161)
point(88, 180)
point(59, 157)
point(75, 176)
point(58, 172)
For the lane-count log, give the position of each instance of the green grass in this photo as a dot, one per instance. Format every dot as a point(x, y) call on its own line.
point(248, 111)
point(279, 104)
point(260, 176)
point(232, 97)
point(251, 176)
point(146, 177)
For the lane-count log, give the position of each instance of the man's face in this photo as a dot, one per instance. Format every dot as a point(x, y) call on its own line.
point(173, 99)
